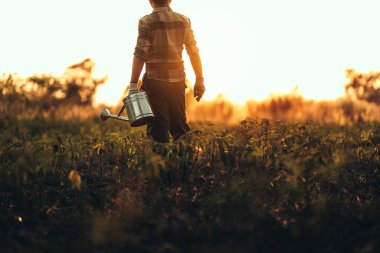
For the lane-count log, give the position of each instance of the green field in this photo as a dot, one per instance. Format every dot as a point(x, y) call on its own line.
point(257, 186)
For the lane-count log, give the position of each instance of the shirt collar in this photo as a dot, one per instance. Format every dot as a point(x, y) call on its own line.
point(167, 8)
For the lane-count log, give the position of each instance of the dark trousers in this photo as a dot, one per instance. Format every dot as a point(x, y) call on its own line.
point(168, 105)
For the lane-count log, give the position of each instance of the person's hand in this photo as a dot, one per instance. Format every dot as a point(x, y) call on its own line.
point(199, 89)
point(132, 88)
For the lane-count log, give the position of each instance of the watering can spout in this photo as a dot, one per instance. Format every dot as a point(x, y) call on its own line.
point(105, 114)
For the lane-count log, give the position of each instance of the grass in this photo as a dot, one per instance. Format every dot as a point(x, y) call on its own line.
point(258, 186)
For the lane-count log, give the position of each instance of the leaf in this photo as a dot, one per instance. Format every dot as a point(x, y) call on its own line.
point(365, 136)
point(258, 152)
point(75, 178)
point(222, 153)
point(99, 148)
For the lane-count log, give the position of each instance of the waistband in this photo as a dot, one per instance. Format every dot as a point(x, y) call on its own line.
point(164, 66)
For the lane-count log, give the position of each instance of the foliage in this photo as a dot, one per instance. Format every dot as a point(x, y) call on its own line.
point(364, 86)
point(286, 108)
point(259, 186)
point(71, 95)
point(42, 94)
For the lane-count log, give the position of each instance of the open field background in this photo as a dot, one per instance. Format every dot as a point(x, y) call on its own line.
point(294, 176)
point(258, 186)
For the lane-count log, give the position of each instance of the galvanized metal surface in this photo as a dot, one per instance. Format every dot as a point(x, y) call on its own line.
point(138, 110)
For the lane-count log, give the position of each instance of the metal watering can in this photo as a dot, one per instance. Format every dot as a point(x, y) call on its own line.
point(138, 108)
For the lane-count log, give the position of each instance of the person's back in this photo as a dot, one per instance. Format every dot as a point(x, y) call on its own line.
point(168, 30)
point(162, 37)
point(163, 34)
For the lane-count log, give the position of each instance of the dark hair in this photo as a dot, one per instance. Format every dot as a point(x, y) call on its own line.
point(160, 2)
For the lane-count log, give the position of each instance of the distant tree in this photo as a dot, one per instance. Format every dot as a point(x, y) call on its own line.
point(76, 86)
point(80, 84)
point(46, 92)
point(363, 86)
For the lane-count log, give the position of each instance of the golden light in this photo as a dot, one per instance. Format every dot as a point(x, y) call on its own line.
point(250, 49)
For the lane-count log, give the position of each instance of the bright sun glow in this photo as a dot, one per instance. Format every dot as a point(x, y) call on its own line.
point(250, 48)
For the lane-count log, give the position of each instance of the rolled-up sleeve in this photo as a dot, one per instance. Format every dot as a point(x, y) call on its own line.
point(143, 41)
point(190, 42)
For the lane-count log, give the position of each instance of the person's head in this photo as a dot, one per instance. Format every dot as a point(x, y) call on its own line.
point(159, 3)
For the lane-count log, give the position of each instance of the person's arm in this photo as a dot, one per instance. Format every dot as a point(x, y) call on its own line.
point(196, 62)
point(137, 67)
point(141, 52)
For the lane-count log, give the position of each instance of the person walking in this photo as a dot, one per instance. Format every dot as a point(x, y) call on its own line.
point(162, 36)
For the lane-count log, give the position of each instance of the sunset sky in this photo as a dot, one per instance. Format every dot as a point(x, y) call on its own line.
point(250, 48)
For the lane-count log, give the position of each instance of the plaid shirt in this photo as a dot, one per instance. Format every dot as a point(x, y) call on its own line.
point(161, 39)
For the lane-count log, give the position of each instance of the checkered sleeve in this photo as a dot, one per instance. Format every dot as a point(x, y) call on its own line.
point(143, 41)
point(190, 43)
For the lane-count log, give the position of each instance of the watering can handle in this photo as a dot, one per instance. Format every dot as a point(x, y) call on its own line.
point(121, 111)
